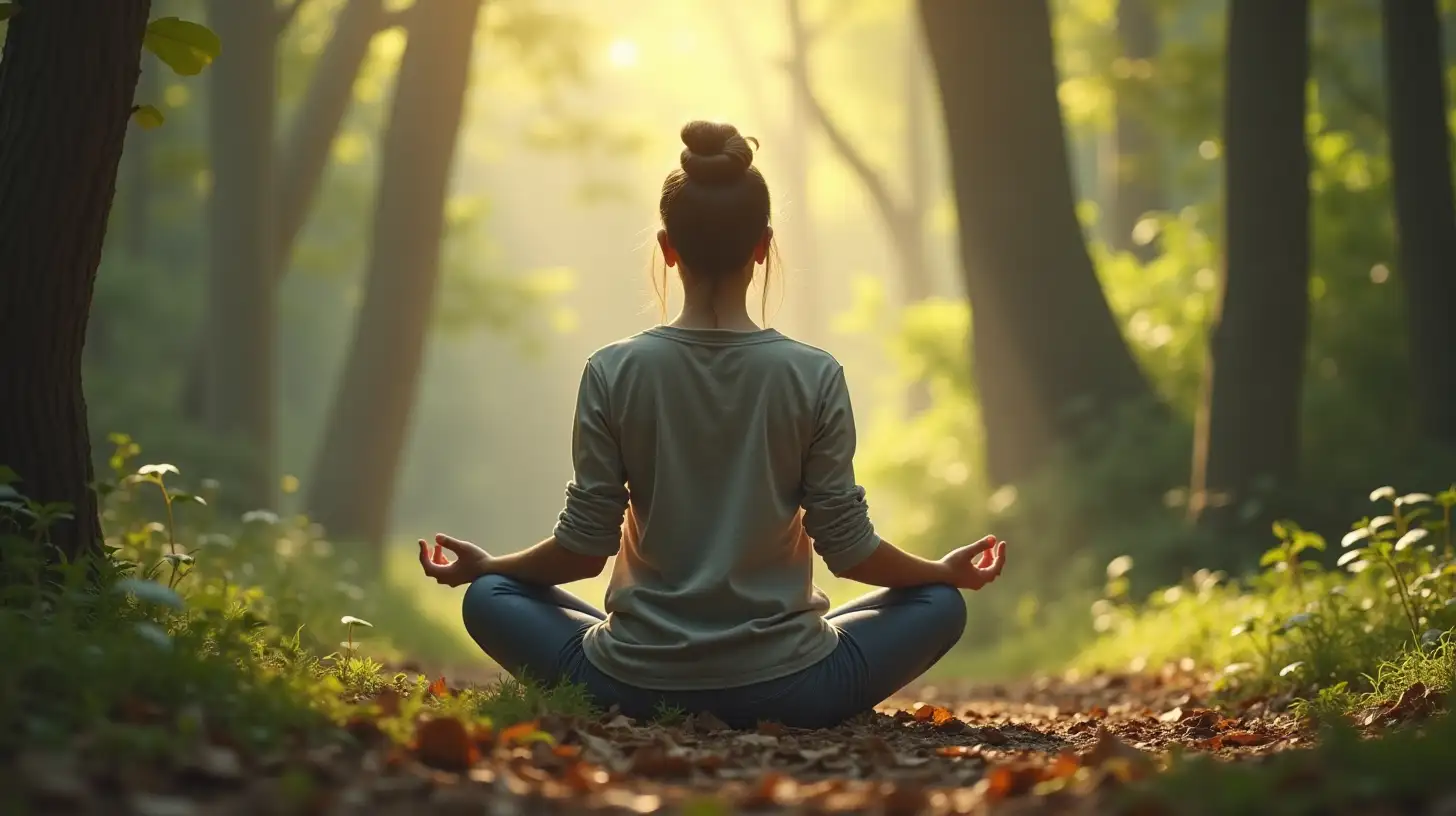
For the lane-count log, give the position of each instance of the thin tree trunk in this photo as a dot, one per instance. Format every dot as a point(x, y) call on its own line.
point(304, 150)
point(1136, 189)
point(242, 309)
point(803, 255)
point(1047, 355)
point(1247, 440)
point(1420, 146)
point(363, 449)
point(302, 156)
point(67, 79)
point(915, 273)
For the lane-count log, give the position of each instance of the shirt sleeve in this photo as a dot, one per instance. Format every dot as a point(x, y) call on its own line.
point(836, 515)
point(596, 497)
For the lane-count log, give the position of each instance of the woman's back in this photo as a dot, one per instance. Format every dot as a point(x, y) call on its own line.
point(721, 436)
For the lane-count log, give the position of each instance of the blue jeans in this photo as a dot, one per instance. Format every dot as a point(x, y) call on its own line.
point(886, 639)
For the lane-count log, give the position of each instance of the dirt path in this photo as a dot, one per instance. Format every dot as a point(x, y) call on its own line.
point(1032, 748)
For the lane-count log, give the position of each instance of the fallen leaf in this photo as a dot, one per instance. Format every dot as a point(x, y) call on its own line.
point(1238, 738)
point(1065, 766)
point(388, 702)
point(523, 733)
point(772, 729)
point(445, 744)
point(958, 750)
point(1123, 759)
point(1005, 781)
point(655, 760)
point(438, 688)
point(767, 792)
point(1171, 716)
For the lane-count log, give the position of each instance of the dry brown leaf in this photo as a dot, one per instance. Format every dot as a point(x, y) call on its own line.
point(708, 722)
point(992, 736)
point(438, 688)
point(770, 789)
point(1241, 739)
point(655, 760)
point(445, 744)
point(1171, 716)
point(1005, 781)
point(1109, 750)
point(958, 750)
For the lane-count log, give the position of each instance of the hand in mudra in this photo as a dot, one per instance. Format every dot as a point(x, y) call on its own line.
point(976, 565)
point(470, 561)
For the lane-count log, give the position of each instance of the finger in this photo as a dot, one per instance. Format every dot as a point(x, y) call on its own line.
point(430, 568)
point(439, 556)
point(452, 544)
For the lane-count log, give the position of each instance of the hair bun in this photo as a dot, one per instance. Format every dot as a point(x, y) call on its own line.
point(715, 152)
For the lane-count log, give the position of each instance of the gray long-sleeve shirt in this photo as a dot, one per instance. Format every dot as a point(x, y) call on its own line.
point(711, 462)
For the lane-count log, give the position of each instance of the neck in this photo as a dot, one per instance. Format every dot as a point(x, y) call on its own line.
point(706, 306)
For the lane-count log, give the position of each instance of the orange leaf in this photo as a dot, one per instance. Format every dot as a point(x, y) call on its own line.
point(567, 751)
point(932, 714)
point(439, 689)
point(445, 744)
point(958, 750)
point(518, 732)
point(1066, 764)
point(1004, 781)
point(1240, 738)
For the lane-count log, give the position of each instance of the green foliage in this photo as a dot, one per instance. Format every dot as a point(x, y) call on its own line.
point(8, 10)
point(1354, 636)
point(150, 670)
point(186, 47)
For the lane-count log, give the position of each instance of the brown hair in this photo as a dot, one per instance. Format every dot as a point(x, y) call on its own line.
point(716, 207)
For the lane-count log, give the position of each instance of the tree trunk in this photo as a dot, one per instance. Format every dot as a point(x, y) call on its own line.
point(303, 156)
point(803, 257)
point(67, 79)
point(915, 273)
point(354, 475)
point(1420, 147)
point(1248, 434)
point(242, 313)
point(1136, 189)
point(1048, 357)
point(304, 151)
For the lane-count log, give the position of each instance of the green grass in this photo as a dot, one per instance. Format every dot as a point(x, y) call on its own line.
point(1340, 638)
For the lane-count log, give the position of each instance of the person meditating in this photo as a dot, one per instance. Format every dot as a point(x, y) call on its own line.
point(713, 458)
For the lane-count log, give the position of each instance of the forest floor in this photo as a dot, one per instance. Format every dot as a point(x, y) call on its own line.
point(1063, 745)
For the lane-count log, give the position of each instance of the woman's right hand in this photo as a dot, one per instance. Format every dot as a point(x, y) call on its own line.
point(470, 562)
point(976, 565)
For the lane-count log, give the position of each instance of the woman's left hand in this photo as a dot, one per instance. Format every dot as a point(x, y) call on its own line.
point(470, 562)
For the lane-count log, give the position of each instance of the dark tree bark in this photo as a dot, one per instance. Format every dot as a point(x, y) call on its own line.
point(1136, 189)
point(1248, 436)
point(1420, 147)
point(67, 79)
point(354, 475)
point(1047, 355)
point(242, 308)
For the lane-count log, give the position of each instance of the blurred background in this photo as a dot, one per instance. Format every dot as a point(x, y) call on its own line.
point(352, 281)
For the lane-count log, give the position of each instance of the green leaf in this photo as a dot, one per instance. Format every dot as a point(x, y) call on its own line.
point(8, 10)
point(147, 116)
point(1282, 529)
point(156, 470)
point(149, 591)
point(1309, 541)
point(185, 46)
point(1355, 536)
point(1273, 556)
point(184, 496)
point(1386, 493)
point(8, 476)
point(1412, 537)
point(1350, 556)
point(350, 619)
point(1447, 498)
point(1291, 668)
point(1412, 498)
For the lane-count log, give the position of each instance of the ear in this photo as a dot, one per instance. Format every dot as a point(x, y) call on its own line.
point(760, 250)
point(669, 255)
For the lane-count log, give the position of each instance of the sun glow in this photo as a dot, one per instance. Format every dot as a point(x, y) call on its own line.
point(622, 53)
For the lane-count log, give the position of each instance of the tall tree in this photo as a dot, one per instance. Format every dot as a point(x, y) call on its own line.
point(1048, 357)
point(297, 162)
point(67, 78)
point(1248, 429)
point(1135, 187)
point(903, 215)
point(1420, 147)
point(356, 469)
point(242, 308)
